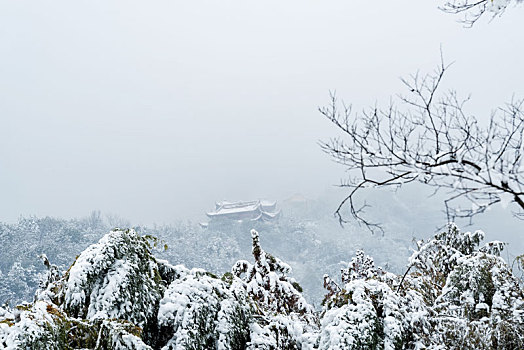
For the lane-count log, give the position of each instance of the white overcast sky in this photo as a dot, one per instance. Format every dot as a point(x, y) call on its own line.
point(154, 109)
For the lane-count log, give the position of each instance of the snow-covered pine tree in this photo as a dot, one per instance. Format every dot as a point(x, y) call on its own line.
point(108, 299)
point(117, 278)
point(200, 311)
point(365, 312)
point(267, 281)
point(284, 319)
point(475, 301)
point(117, 295)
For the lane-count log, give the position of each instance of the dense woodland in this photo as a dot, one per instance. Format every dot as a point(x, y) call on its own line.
point(306, 237)
point(456, 294)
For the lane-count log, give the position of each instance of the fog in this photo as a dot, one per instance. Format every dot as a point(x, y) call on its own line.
point(154, 110)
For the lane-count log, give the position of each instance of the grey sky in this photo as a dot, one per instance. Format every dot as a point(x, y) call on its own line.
point(154, 109)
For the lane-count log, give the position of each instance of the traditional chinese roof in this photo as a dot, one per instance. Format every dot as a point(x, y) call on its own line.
point(241, 210)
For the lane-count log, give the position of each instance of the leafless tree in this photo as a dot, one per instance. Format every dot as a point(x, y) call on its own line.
point(426, 136)
point(473, 10)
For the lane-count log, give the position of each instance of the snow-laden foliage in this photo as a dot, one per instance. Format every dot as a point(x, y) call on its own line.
point(481, 305)
point(360, 267)
point(437, 257)
point(108, 299)
point(268, 283)
point(120, 334)
point(23, 241)
point(309, 240)
point(456, 294)
point(117, 295)
point(43, 326)
point(200, 311)
point(353, 319)
point(115, 278)
point(282, 332)
point(48, 279)
point(257, 306)
point(473, 298)
point(284, 318)
point(365, 313)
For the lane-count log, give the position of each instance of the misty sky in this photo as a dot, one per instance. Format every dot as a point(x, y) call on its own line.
point(153, 110)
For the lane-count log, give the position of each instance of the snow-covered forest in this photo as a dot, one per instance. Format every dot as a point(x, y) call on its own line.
point(118, 295)
point(307, 237)
point(349, 213)
point(300, 283)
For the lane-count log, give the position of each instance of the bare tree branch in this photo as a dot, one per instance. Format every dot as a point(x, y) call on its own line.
point(473, 10)
point(427, 137)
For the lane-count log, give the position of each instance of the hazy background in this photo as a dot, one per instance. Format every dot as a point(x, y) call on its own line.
point(154, 110)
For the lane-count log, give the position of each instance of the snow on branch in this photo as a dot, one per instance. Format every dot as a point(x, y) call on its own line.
point(267, 281)
point(427, 136)
point(473, 10)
